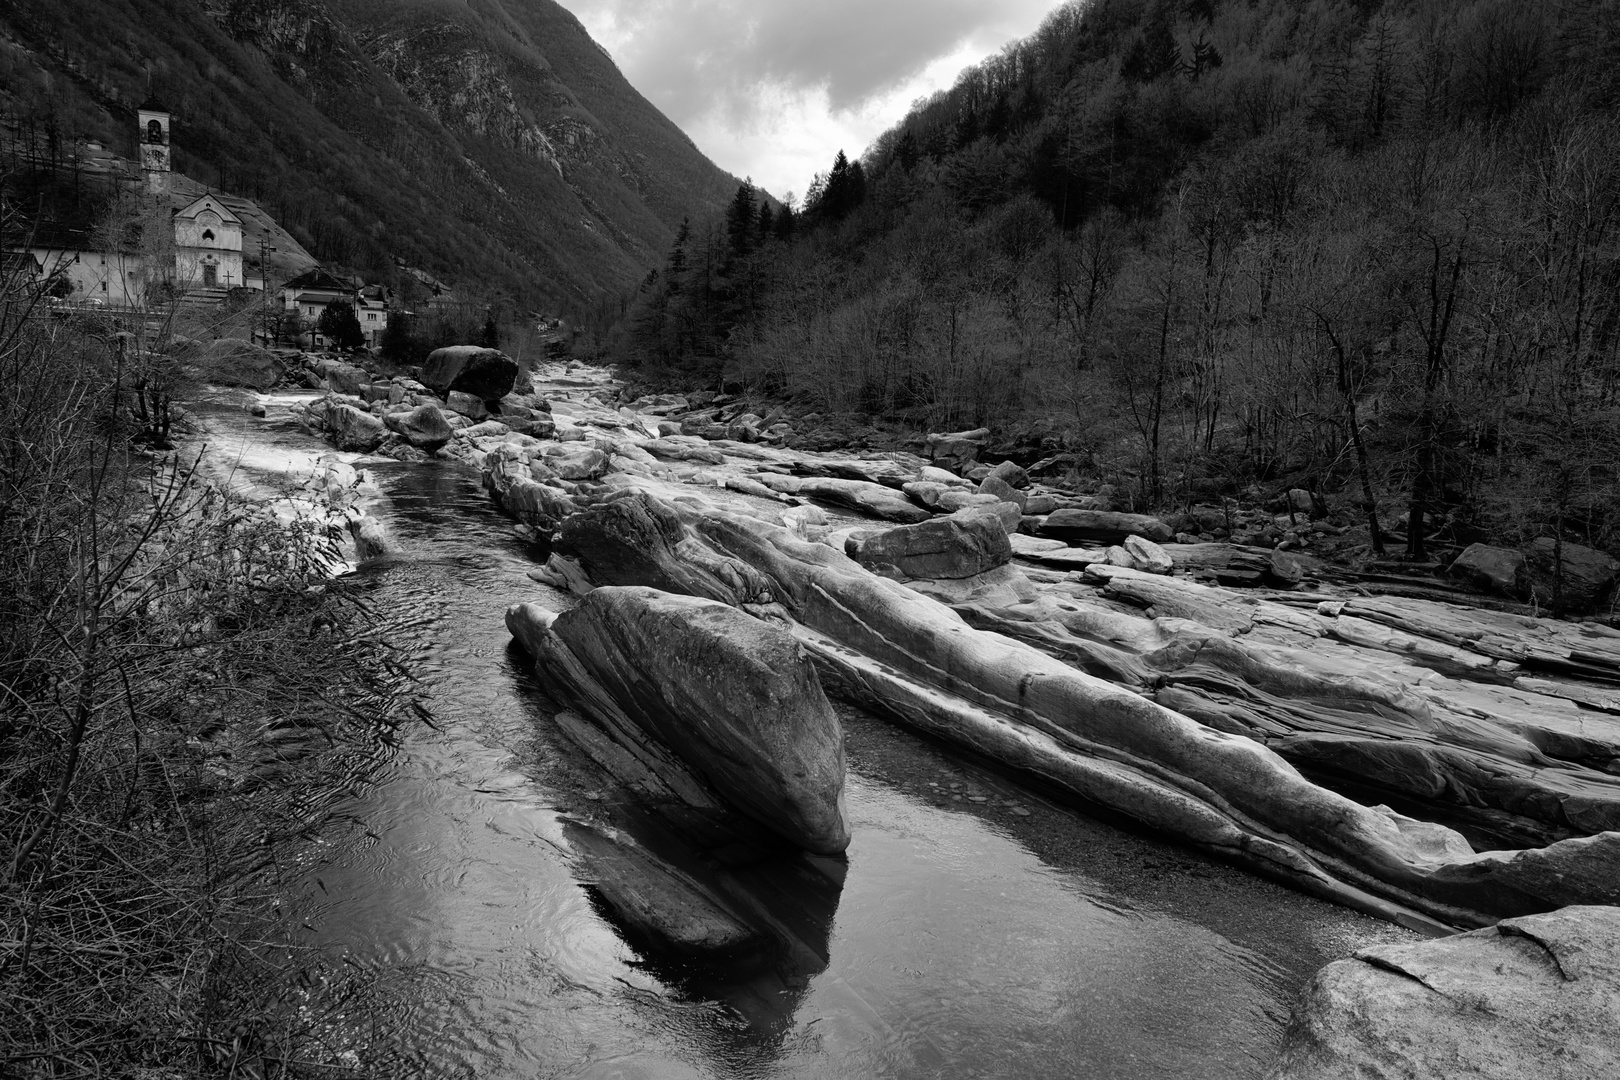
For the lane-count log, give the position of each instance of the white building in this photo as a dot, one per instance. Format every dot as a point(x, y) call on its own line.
point(208, 246)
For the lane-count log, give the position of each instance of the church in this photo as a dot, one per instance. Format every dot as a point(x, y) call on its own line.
point(220, 242)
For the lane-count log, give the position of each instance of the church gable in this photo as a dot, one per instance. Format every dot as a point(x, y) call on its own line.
point(208, 211)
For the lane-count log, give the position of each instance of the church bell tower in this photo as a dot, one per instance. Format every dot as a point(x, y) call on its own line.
point(154, 139)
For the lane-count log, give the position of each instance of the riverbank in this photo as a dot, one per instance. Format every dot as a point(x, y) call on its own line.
point(190, 692)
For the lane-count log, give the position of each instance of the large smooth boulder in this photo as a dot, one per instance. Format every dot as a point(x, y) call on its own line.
point(736, 698)
point(1588, 574)
point(1104, 527)
point(424, 427)
point(948, 547)
point(486, 374)
point(1494, 569)
point(1532, 998)
point(354, 429)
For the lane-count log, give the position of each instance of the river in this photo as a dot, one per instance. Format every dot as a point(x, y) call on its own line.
point(981, 929)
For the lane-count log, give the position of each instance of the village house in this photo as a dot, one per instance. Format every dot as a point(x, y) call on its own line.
point(310, 293)
point(371, 306)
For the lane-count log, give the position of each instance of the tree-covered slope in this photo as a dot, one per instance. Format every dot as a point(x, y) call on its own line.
point(1370, 247)
point(494, 145)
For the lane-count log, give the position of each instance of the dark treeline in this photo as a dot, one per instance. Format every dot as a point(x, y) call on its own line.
point(1369, 247)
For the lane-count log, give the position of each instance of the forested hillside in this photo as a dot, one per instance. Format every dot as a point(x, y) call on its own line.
point(1364, 247)
point(493, 145)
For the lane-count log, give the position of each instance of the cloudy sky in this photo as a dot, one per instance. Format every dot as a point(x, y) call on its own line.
point(772, 89)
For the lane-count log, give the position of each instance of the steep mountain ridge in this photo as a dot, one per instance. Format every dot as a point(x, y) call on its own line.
point(494, 144)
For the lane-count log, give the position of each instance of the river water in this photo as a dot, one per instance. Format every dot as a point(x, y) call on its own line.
point(980, 930)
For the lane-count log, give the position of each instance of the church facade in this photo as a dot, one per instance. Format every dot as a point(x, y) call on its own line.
point(208, 246)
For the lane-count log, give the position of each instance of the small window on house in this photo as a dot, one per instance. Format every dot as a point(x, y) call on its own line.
point(208, 234)
point(103, 286)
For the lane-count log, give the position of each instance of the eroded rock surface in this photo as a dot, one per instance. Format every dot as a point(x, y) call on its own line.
point(1532, 998)
point(958, 546)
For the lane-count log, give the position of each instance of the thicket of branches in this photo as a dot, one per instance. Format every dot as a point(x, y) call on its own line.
point(183, 693)
point(1367, 247)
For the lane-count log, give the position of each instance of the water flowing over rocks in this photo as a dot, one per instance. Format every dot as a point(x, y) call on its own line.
point(1532, 998)
point(1437, 764)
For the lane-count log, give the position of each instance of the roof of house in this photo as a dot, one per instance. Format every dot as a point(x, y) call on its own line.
point(319, 279)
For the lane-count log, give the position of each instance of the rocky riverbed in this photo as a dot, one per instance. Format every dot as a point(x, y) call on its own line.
point(1439, 764)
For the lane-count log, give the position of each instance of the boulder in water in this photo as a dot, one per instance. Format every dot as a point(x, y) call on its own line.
point(424, 427)
point(736, 698)
point(486, 374)
point(1531, 998)
point(354, 429)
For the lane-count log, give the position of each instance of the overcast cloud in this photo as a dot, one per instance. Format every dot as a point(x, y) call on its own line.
point(773, 89)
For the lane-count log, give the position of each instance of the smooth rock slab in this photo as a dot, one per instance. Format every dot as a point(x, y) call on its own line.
point(1532, 998)
point(948, 547)
point(1104, 527)
point(737, 699)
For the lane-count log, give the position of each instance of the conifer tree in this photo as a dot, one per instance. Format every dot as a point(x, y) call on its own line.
point(740, 220)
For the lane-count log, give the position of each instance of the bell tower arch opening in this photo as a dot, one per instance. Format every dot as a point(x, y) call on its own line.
point(154, 119)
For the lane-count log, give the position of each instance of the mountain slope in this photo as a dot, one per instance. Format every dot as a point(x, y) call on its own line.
point(493, 144)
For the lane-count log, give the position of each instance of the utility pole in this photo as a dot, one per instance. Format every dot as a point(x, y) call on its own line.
point(265, 248)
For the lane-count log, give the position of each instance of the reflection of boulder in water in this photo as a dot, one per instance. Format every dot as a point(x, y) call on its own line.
point(723, 863)
point(751, 936)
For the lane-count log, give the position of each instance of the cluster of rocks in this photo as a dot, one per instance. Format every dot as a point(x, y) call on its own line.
point(465, 393)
